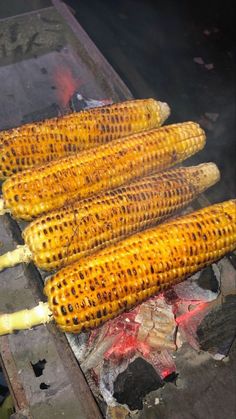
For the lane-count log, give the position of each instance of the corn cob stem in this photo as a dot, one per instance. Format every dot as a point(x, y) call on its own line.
point(21, 254)
point(164, 111)
point(64, 236)
point(86, 294)
point(25, 319)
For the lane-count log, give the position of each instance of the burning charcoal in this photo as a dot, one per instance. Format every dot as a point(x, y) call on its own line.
point(163, 363)
point(96, 353)
point(125, 346)
point(107, 375)
point(203, 286)
point(135, 382)
point(79, 102)
point(217, 330)
point(171, 378)
point(157, 324)
point(189, 321)
point(208, 280)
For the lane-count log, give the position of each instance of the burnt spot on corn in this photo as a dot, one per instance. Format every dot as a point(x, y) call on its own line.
point(75, 320)
point(54, 301)
point(63, 310)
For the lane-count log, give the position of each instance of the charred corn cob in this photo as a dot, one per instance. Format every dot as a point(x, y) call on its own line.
point(39, 190)
point(38, 143)
point(99, 287)
point(65, 235)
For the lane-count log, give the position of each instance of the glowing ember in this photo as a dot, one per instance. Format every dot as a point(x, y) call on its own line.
point(184, 318)
point(66, 85)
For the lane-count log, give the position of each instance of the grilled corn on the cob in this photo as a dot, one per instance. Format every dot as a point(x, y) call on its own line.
point(65, 235)
point(38, 143)
point(39, 190)
point(99, 287)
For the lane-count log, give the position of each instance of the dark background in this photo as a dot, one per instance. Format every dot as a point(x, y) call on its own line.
point(152, 46)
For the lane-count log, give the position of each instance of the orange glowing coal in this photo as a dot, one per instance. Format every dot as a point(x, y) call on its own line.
point(66, 85)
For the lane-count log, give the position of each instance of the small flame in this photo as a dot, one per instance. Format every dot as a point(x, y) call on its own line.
point(66, 85)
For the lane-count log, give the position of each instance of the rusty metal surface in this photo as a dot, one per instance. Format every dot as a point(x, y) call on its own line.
point(46, 62)
point(41, 67)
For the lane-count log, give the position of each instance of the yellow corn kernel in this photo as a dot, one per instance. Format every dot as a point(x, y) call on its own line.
point(99, 287)
point(39, 190)
point(41, 142)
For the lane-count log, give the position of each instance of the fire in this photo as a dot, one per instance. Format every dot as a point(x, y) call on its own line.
point(183, 318)
point(66, 84)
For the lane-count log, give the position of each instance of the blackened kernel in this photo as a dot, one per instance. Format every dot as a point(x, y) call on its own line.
point(99, 314)
point(54, 301)
point(63, 310)
point(75, 320)
point(70, 308)
point(81, 275)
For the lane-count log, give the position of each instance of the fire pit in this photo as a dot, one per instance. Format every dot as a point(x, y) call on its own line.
point(140, 351)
